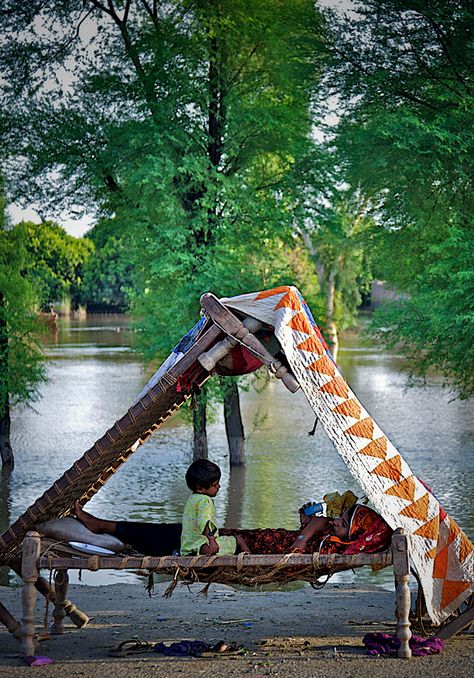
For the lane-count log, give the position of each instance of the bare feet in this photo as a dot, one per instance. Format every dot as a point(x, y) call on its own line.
point(91, 522)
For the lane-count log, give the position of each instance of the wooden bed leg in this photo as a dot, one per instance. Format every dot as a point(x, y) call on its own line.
point(61, 581)
point(401, 570)
point(77, 616)
point(29, 574)
point(9, 621)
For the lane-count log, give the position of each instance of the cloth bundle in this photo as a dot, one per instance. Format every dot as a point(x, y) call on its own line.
point(383, 643)
point(195, 648)
point(338, 503)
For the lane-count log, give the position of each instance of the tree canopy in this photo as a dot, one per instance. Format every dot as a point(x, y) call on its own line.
point(21, 358)
point(54, 261)
point(188, 129)
point(180, 121)
point(404, 74)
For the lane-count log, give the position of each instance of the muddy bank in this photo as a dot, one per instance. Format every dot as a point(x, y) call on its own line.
point(301, 632)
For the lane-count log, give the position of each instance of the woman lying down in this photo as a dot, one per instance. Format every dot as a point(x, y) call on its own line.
point(358, 529)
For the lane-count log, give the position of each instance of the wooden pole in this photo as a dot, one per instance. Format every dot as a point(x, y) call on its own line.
point(77, 616)
point(460, 623)
point(9, 621)
point(94, 563)
point(29, 574)
point(200, 447)
point(232, 326)
point(233, 423)
point(401, 570)
point(61, 580)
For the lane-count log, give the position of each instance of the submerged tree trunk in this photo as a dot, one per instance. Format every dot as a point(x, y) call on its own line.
point(6, 452)
point(235, 497)
point(233, 423)
point(200, 449)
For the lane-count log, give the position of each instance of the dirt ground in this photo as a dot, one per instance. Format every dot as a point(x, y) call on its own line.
point(283, 633)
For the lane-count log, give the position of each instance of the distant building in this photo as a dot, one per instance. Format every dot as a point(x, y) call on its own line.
point(380, 293)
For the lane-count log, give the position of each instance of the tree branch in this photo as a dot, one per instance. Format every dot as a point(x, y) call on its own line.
point(441, 39)
point(130, 49)
point(152, 13)
point(423, 66)
point(99, 5)
point(236, 75)
point(232, 165)
point(126, 10)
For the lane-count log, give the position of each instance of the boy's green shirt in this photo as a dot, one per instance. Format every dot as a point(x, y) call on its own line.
point(199, 512)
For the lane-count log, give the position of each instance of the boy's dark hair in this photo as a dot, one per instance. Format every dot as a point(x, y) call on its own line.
point(202, 473)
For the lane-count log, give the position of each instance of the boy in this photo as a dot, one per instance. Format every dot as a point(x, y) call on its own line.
point(200, 534)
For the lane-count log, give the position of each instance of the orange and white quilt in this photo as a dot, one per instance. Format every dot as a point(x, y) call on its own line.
point(441, 553)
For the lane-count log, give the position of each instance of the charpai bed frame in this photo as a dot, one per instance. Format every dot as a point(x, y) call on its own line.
point(21, 546)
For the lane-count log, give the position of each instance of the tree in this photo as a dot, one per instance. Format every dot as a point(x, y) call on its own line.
point(108, 274)
point(182, 121)
point(331, 220)
point(21, 358)
point(403, 71)
point(437, 320)
point(55, 261)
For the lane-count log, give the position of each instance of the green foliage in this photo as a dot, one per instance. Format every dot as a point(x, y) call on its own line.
point(108, 272)
point(21, 358)
point(403, 72)
point(435, 325)
point(54, 261)
point(337, 231)
point(182, 123)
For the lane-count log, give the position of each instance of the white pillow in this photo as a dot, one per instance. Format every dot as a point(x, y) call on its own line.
point(71, 529)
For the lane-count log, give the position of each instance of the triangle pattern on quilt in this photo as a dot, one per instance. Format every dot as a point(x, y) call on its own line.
point(391, 468)
point(429, 530)
point(337, 386)
point(405, 489)
point(418, 510)
point(270, 293)
point(324, 365)
point(289, 300)
point(311, 344)
point(451, 590)
point(300, 323)
point(362, 429)
point(465, 548)
point(376, 448)
point(349, 408)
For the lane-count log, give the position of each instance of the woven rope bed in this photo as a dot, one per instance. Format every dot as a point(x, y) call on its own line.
point(245, 569)
point(22, 549)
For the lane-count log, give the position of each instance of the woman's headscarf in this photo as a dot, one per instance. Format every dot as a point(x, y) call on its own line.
point(368, 533)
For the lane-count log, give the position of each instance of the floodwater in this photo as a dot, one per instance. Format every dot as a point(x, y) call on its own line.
point(95, 377)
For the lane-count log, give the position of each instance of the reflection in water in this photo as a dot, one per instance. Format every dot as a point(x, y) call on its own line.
point(95, 377)
point(235, 494)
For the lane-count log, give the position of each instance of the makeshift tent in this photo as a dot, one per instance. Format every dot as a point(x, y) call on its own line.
point(442, 554)
point(274, 327)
